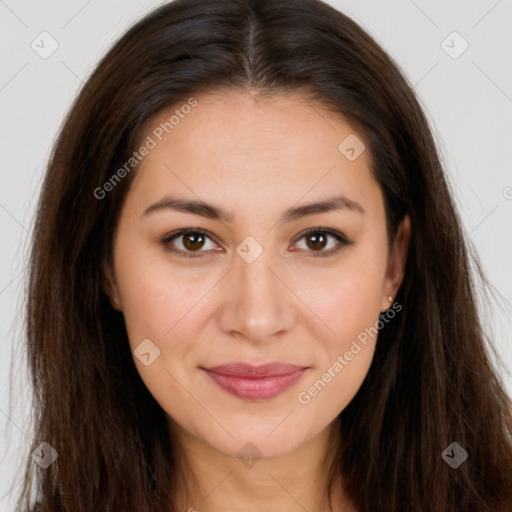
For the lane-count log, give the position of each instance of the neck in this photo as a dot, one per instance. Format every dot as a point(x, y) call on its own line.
point(294, 482)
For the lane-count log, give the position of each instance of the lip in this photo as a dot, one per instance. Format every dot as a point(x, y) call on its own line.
point(250, 382)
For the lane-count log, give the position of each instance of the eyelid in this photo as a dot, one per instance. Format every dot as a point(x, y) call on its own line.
point(339, 236)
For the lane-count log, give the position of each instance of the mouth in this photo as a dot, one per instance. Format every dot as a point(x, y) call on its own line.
point(255, 382)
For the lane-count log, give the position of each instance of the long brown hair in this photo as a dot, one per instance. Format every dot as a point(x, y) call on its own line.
point(431, 381)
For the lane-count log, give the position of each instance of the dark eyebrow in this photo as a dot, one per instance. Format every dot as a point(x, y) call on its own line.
point(215, 212)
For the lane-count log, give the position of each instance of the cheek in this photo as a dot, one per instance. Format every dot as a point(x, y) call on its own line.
point(348, 304)
point(156, 298)
point(163, 307)
point(342, 358)
point(346, 299)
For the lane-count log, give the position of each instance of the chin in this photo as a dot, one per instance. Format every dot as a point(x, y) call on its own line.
point(259, 439)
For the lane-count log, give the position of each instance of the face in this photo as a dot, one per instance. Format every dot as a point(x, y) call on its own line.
point(260, 276)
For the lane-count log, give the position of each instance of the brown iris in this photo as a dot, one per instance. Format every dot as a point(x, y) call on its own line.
point(319, 241)
point(193, 241)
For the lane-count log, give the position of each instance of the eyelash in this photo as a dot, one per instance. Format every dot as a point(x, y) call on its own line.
point(343, 242)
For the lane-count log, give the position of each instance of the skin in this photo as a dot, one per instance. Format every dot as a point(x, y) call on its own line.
point(255, 158)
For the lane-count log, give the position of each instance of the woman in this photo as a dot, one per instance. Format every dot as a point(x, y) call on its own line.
point(249, 285)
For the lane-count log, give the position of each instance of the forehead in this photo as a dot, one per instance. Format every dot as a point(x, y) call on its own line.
point(252, 150)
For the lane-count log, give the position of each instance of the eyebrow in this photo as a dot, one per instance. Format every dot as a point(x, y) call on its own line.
point(215, 212)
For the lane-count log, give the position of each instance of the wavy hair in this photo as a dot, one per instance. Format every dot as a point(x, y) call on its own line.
point(431, 381)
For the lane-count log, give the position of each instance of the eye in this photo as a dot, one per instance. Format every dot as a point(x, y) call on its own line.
point(317, 241)
point(191, 241)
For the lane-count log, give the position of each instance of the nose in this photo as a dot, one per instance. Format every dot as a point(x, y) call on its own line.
point(259, 305)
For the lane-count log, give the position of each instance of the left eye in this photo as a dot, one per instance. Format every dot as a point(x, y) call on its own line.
point(194, 240)
point(316, 239)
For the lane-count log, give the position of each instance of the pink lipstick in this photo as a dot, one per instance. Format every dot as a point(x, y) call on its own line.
point(255, 382)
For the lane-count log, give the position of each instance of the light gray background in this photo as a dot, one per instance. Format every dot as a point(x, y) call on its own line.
point(468, 100)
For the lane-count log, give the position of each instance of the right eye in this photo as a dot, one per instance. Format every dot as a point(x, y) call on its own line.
point(190, 240)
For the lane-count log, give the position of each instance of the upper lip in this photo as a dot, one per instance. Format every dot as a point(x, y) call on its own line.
point(247, 370)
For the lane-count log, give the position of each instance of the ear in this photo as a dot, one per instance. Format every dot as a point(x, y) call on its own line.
point(397, 258)
point(109, 284)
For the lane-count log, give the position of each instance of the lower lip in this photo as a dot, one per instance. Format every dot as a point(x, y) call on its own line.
point(262, 388)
